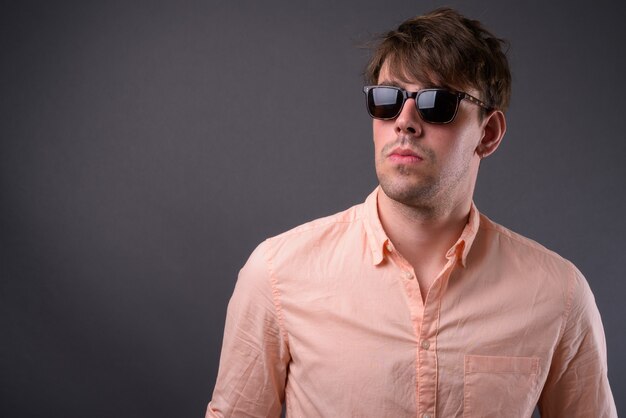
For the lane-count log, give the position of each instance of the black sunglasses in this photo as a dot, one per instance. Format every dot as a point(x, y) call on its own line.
point(434, 105)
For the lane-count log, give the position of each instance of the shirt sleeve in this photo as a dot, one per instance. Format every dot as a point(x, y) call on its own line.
point(255, 354)
point(577, 384)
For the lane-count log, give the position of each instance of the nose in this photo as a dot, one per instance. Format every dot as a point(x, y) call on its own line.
point(409, 120)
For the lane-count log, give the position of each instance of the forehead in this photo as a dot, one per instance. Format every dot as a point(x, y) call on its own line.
point(397, 76)
point(393, 73)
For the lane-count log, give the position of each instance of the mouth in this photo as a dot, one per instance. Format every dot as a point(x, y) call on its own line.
point(404, 156)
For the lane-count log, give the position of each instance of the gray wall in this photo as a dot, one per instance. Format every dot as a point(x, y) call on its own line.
point(147, 147)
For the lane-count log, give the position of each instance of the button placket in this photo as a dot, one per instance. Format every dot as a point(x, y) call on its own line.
point(427, 358)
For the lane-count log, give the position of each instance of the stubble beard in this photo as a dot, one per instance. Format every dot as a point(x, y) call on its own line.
point(399, 186)
point(422, 190)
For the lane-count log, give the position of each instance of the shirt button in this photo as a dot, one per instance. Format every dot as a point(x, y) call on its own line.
point(425, 346)
point(389, 247)
point(426, 416)
point(408, 275)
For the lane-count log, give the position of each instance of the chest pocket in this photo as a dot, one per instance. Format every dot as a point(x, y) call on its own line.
point(499, 386)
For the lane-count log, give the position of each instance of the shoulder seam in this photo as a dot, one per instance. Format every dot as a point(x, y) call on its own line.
point(569, 303)
point(273, 282)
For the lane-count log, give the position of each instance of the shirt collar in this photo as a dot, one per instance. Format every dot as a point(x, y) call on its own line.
point(379, 241)
point(462, 246)
point(376, 236)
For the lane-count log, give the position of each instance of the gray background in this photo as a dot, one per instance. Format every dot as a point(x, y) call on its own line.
point(147, 147)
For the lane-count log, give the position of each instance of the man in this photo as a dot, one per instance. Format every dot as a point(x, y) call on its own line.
point(413, 304)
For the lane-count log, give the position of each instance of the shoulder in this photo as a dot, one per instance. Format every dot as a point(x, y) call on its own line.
point(522, 248)
point(317, 235)
point(557, 277)
point(307, 247)
point(531, 260)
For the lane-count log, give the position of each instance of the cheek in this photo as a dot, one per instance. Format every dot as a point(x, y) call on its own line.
point(380, 133)
point(463, 154)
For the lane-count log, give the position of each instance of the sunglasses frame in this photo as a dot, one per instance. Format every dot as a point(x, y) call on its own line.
point(460, 95)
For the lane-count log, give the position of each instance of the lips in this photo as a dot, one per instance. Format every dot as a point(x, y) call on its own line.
point(405, 155)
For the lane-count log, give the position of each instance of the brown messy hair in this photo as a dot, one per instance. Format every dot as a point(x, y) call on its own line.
point(445, 49)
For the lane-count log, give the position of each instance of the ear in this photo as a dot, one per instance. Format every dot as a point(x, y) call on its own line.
point(494, 127)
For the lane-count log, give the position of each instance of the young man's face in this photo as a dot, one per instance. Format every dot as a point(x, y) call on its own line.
point(422, 164)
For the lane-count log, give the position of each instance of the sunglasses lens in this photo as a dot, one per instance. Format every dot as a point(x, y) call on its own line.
point(437, 106)
point(384, 102)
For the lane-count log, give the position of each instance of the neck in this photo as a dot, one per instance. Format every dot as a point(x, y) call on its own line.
point(423, 232)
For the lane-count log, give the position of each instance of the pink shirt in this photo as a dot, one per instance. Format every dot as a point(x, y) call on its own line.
point(329, 318)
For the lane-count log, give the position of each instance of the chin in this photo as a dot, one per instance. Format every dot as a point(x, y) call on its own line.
point(408, 193)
